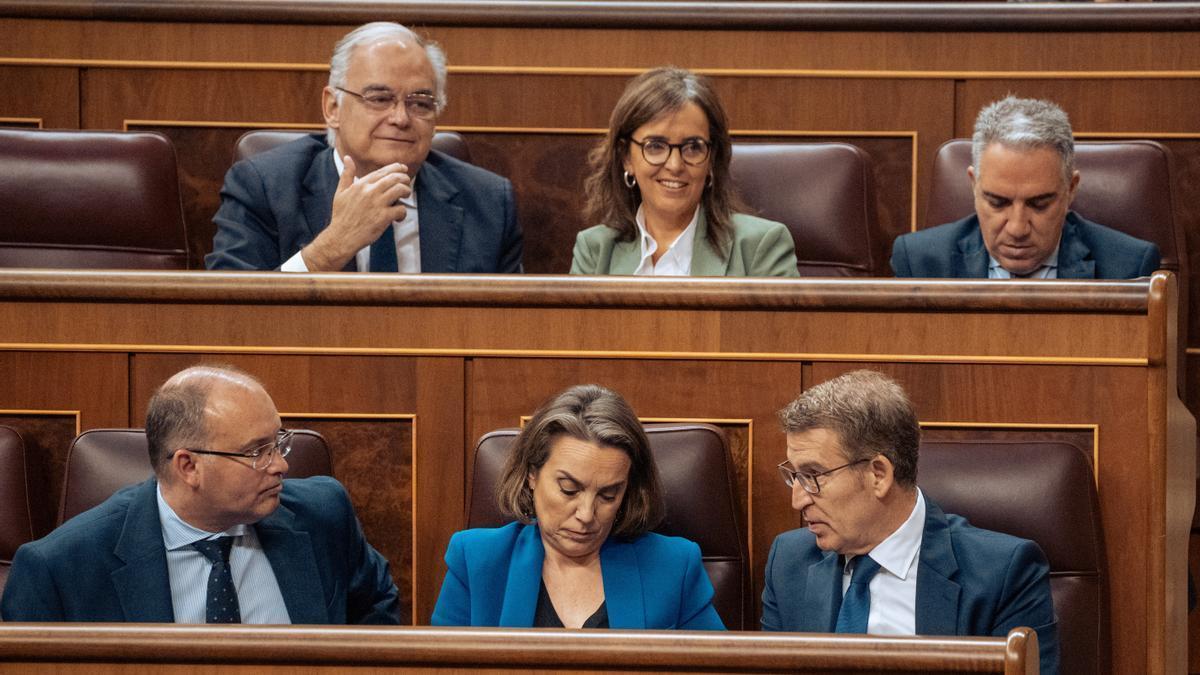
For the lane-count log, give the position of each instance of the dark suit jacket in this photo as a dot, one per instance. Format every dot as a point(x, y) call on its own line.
point(109, 563)
point(1085, 251)
point(275, 203)
point(650, 582)
point(969, 582)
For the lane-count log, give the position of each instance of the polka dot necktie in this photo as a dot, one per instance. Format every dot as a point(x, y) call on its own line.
point(221, 603)
point(856, 605)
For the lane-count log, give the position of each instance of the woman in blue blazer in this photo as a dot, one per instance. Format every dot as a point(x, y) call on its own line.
point(582, 484)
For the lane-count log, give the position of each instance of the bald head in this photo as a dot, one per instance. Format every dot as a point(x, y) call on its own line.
point(177, 415)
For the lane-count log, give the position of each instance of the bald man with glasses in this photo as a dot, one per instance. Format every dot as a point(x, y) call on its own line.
point(876, 556)
point(217, 535)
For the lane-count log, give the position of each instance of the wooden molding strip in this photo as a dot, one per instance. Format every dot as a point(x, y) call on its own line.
point(554, 71)
point(684, 14)
point(1027, 360)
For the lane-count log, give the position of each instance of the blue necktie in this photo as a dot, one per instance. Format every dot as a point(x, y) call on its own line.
point(383, 252)
point(856, 604)
point(221, 601)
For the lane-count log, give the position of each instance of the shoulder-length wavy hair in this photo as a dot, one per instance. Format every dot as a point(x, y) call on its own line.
point(590, 413)
point(647, 96)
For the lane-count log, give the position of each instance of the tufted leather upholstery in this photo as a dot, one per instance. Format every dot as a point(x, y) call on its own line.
point(90, 199)
point(697, 480)
point(1038, 490)
point(823, 192)
point(1124, 185)
point(253, 142)
point(16, 520)
point(102, 461)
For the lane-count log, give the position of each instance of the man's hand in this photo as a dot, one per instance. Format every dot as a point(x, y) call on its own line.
point(362, 210)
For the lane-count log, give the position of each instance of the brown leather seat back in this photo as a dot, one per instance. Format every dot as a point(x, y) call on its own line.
point(823, 192)
point(1044, 491)
point(1124, 185)
point(253, 142)
point(90, 199)
point(16, 518)
point(697, 480)
point(102, 461)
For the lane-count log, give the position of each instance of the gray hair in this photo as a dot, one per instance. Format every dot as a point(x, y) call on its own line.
point(1028, 124)
point(869, 412)
point(376, 32)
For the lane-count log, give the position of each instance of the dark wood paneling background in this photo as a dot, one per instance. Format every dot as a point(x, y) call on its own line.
point(527, 98)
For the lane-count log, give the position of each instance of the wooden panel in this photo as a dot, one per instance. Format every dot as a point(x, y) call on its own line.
point(79, 388)
point(48, 96)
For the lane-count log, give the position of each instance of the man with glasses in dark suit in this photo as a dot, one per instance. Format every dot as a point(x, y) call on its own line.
point(369, 194)
point(877, 556)
point(216, 535)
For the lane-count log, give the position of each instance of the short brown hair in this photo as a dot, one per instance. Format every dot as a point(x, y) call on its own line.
point(647, 96)
point(871, 415)
point(591, 413)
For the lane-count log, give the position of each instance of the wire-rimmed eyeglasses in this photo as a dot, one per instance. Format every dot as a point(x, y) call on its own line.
point(809, 481)
point(260, 456)
point(418, 106)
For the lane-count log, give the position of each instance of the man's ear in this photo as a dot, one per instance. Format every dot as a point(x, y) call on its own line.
point(183, 467)
point(883, 475)
point(971, 176)
point(330, 108)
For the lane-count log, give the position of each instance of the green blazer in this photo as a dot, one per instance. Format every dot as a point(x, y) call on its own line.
point(759, 248)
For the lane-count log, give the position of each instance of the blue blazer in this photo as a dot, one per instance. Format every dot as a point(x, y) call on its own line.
point(275, 203)
point(969, 582)
point(109, 563)
point(650, 582)
point(1085, 251)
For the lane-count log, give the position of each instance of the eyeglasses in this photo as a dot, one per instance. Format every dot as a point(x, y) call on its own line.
point(656, 152)
point(809, 481)
point(417, 106)
point(261, 455)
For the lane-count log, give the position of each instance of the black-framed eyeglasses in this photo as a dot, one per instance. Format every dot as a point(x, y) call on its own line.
point(656, 151)
point(417, 106)
point(809, 481)
point(260, 456)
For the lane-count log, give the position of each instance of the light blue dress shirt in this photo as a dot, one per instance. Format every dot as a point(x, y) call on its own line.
point(259, 597)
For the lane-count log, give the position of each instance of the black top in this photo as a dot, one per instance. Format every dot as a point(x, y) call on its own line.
point(544, 615)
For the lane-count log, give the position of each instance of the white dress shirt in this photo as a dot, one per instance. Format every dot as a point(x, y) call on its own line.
point(894, 588)
point(259, 597)
point(1047, 270)
point(406, 233)
point(676, 261)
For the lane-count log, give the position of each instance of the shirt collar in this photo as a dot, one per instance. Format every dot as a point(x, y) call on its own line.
point(996, 271)
point(682, 243)
point(178, 534)
point(897, 553)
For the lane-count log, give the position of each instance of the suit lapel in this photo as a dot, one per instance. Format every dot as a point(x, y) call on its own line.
point(626, 256)
point(440, 221)
point(1074, 257)
point(524, 579)
point(937, 594)
point(822, 595)
point(291, 556)
point(706, 262)
point(320, 183)
point(623, 595)
point(972, 261)
point(143, 584)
